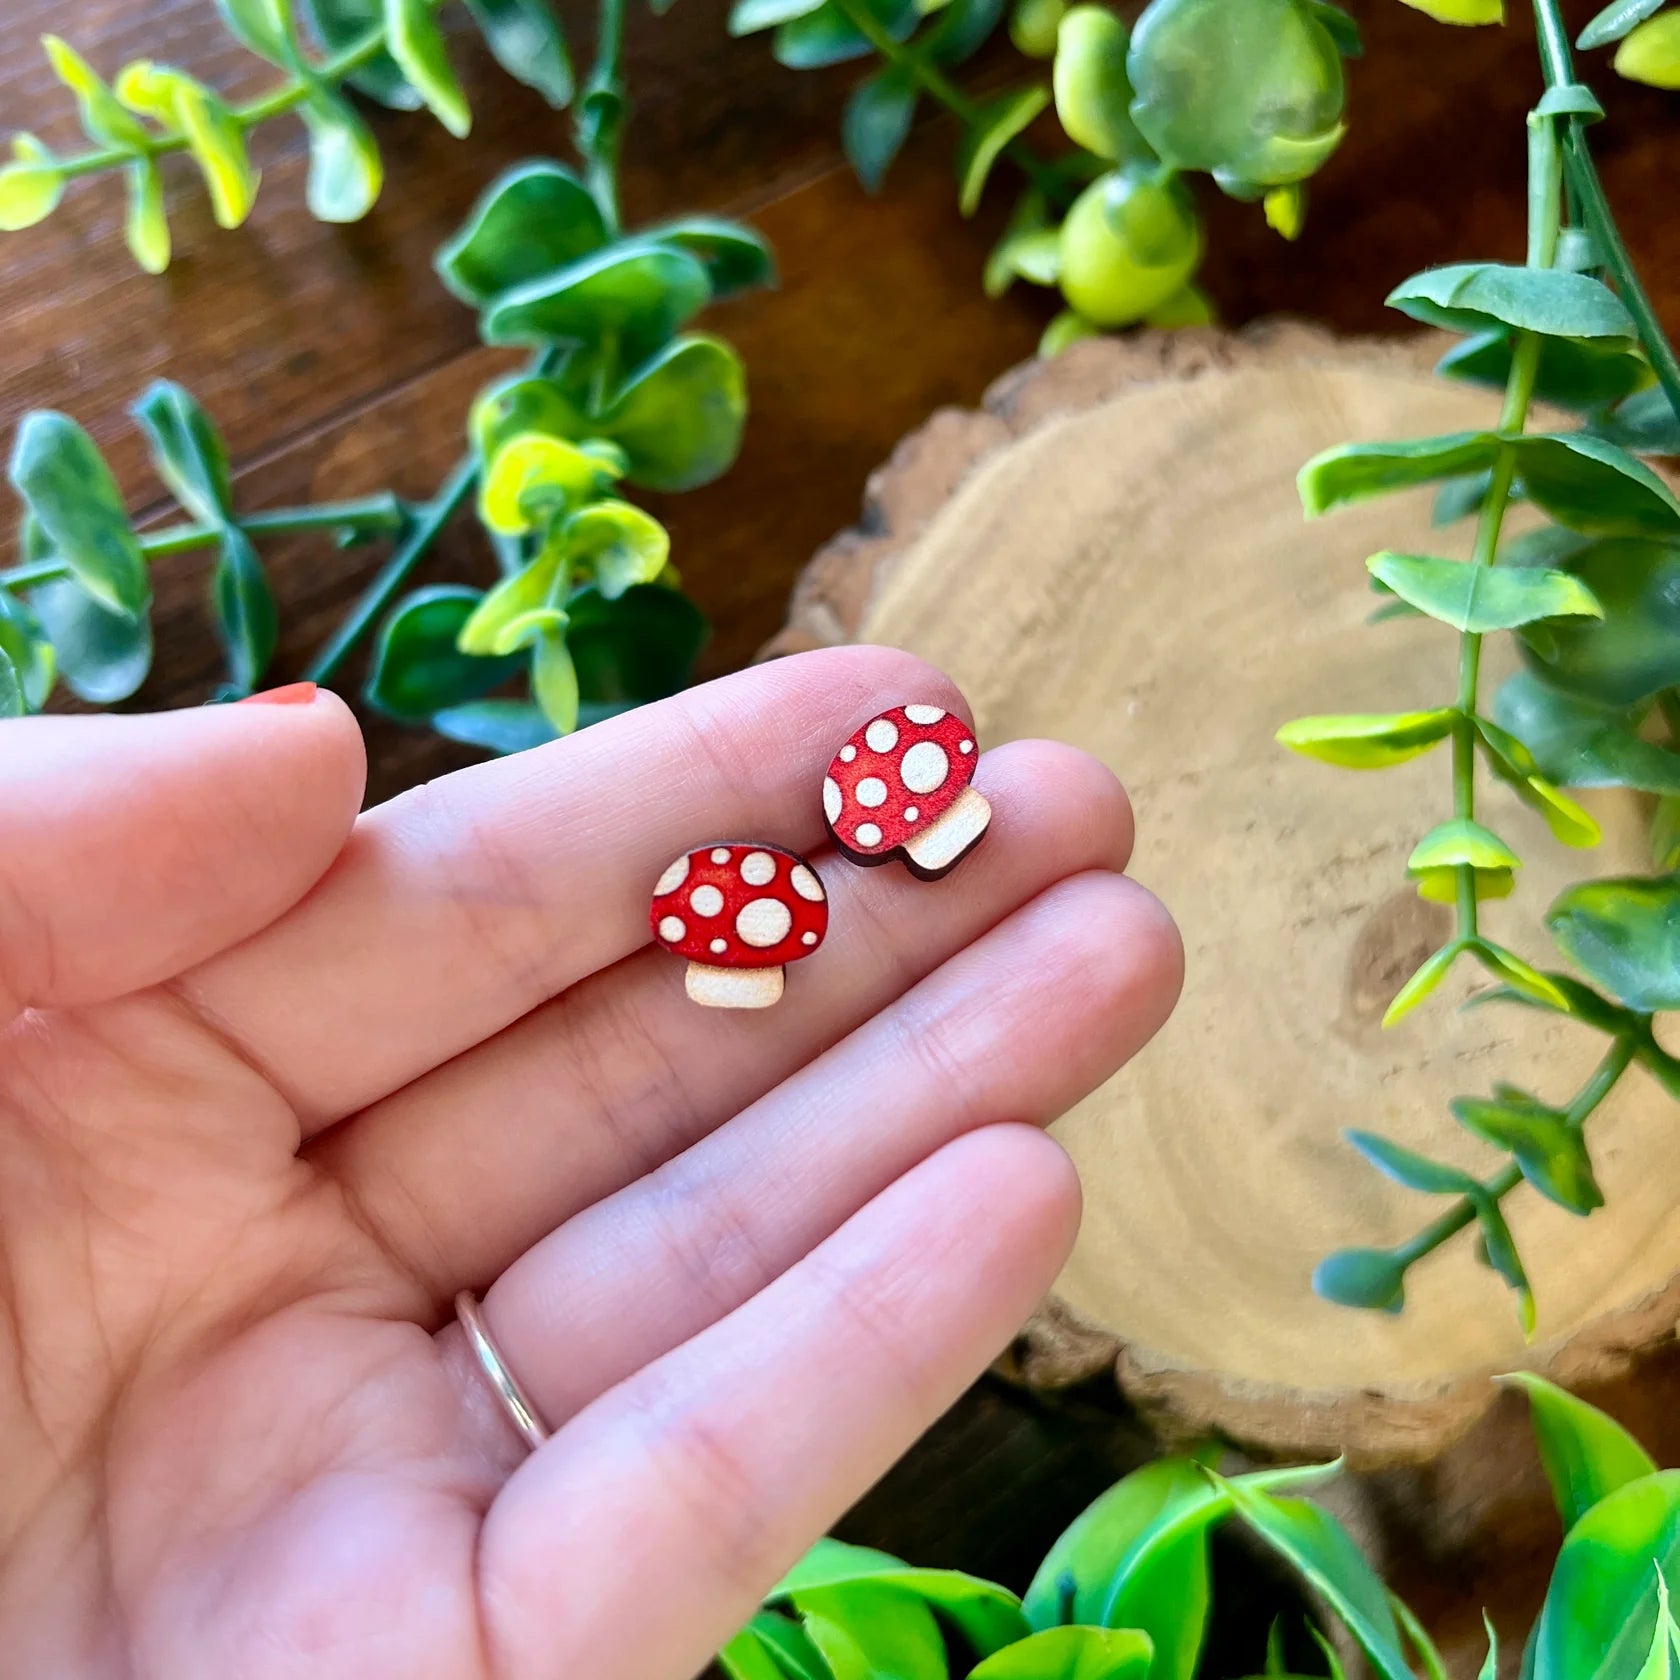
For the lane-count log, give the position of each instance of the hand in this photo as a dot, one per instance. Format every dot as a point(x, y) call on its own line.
point(276, 1081)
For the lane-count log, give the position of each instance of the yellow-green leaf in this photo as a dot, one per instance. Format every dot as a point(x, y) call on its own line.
point(346, 171)
point(1462, 11)
point(534, 476)
point(102, 115)
point(146, 228)
point(416, 43)
point(519, 608)
point(1064, 329)
point(1368, 741)
point(1429, 974)
point(1001, 120)
point(30, 188)
point(1286, 209)
point(1516, 973)
point(1456, 844)
point(1652, 52)
point(554, 681)
point(617, 545)
point(212, 132)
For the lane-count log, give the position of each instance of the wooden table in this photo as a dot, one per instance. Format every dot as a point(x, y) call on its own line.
point(337, 365)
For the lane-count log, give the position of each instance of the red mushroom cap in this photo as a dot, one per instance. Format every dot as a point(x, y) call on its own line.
point(739, 905)
point(900, 772)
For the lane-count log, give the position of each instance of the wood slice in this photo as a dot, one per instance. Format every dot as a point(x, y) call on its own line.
point(1111, 553)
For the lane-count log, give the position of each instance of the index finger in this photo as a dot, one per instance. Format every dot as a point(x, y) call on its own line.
point(460, 906)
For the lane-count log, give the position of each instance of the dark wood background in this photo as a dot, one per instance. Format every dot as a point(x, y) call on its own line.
point(337, 365)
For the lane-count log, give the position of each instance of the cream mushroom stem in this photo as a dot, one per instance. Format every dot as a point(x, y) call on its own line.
point(935, 849)
point(734, 988)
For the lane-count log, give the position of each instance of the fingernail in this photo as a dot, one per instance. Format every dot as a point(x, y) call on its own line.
point(293, 694)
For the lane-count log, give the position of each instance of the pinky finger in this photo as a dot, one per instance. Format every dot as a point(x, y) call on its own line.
point(633, 1544)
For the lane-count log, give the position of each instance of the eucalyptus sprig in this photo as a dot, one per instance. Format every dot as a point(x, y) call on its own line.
point(1249, 92)
point(393, 50)
point(588, 617)
point(1584, 596)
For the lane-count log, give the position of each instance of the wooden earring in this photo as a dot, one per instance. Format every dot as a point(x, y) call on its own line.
point(738, 912)
point(900, 787)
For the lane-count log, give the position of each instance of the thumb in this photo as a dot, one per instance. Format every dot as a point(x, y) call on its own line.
point(134, 847)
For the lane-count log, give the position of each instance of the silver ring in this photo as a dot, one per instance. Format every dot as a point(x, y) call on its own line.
point(515, 1402)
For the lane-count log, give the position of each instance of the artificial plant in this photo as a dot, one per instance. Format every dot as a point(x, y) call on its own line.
point(617, 393)
point(1590, 596)
point(1125, 1593)
point(1249, 92)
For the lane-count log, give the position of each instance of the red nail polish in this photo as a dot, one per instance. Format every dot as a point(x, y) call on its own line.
point(293, 694)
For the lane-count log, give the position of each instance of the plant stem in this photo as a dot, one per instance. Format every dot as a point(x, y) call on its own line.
point(367, 516)
point(428, 525)
point(1559, 65)
point(287, 97)
point(1600, 1083)
point(934, 82)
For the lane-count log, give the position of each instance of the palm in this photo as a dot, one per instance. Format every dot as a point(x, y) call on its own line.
point(254, 1145)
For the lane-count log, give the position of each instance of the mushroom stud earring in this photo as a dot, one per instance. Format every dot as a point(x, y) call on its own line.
point(900, 786)
point(738, 913)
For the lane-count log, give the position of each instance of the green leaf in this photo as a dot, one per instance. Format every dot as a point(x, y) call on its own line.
point(1368, 741)
point(146, 227)
point(1478, 297)
point(1519, 975)
point(1409, 1169)
point(1352, 472)
point(876, 121)
point(1550, 1151)
point(1482, 598)
point(214, 136)
point(1615, 21)
point(1645, 422)
point(634, 294)
point(11, 688)
point(103, 117)
point(827, 36)
point(343, 24)
point(1573, 373)
point(1594, 487)
point(554, 681)
point(961, 28)
point(246, 615)
point(416, 43)
point(616, 546)
point(260, 26)
point(1340, 26)
point(1624, 935)
point(1033, 25)
point(103, 655)
point(1029, 249)
point(787, 1641)
point(24, 643)
point(503, 726)
point(1093, 94)
point(1602, 1606)
point(1651, 54)
point(1458, 498)
point(1318, 1547)
point(1065, 328)
point(745, 1657)
point(1570, 99)
point(346, 171)
point(1587, 1454)
point(1665, 833)
point(987, 1616)
point(1498, 1251)
point(1579, 743)
point(1425, 978)
point(417, 668)
point(640, 647)
point(748, 17)
point(680, 416)
point(531, 221)
point(1001, 119)
point(735, 256)
point(1490, 1663)
point(186, 449)
point(60, 474)
point(30, 188)
point(526, 39)
point(1187, 308)
point(1370, 1278)
point(1250, 90)
point(1073, 1653)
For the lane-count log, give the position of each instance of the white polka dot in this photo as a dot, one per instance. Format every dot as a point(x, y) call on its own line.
point(911, 813)
point(881, 735)
point(807, 939)
point(705, 901)
point(758, 869)
point(764, 922)
point(833, 802)
point(871, 791)
point(806, 884)
point(967, 747)
point(925, 767)
point(719, 946)
point(672, 878)
point(671, 929)
point(868, 834)
point(720, 854)
point(848, 753)
point(924, 714)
